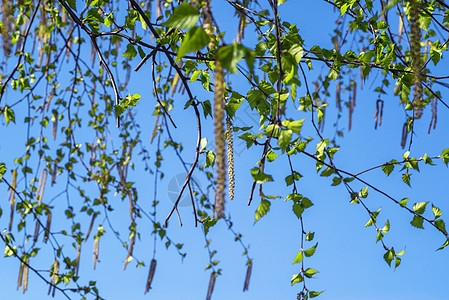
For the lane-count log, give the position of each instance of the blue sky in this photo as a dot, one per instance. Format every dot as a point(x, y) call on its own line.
point(350, 262)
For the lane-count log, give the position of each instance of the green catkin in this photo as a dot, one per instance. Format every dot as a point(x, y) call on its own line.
point(220, 160)
point(415, 51)
point(230, 148)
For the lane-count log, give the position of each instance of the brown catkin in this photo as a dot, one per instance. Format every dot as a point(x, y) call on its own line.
point(47, 227)
point(210, 288)
point(415, 51)
point(248, 275)
point(230, 148)
point(150, 275)
point(220, 160)
point(54, 273)
point(78, 257)
point(26, 271)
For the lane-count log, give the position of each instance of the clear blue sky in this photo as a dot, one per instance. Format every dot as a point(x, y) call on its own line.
point(350, 262)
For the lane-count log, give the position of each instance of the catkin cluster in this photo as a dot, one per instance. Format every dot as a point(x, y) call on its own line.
point(415, 51)
point(220, 160)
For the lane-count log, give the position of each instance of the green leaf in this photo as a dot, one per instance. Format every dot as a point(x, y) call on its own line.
point(436, 212)
point(230, 55)
point(420, 207)
point(445, 155)
point(363, 193)
point(72, 4)
point(260, 177)
point(379, 236)
point(210, 159)
point(373, 218)
point(386, 227)
point(284, 138)
point(440, 225)
point(271, 156)
point(263, 209)
point(257, 99)
point(310, 272)
point(298, 258)
point(203, 144)
point(387, 168)
point(130, 52)
point(417, 221)
point(444, 245)
point(389, 256)
point(298, 209)
point(207, 223)
point(291, 178)
point(406, 178)
point(336, 181)
point(294, 126)
point(309, 236)
point(309, 252)
point(207, 108)
point(327, 172)
point(403, 202)
point(313, 294)
point(9, 115)
point(184, 16)
point(397, 262)
point(2, 170)
point(109, 20)
point(266, 87)
point(297, 278)
point(297, 52)
point(195, 39)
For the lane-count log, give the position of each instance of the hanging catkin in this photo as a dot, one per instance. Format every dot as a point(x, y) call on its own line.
point(12, 198)
point(220, 160)
point(230, 148)
point(210, 288)
point(415, 52)
point(248, 275)
point(150, 275)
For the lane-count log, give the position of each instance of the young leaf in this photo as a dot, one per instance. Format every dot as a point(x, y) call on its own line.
point(313, 294)
point(417, 222)
point(440, 225)
point(210, 159)
point(310, 272)
point(387, 168)
point(420, 207)
point(130, 52)
point(372, 220)
point(297, 278)
point(309, 252)
point(207, 223)
point(184, 16)
point(260, 177)
point(406, 178)
point(2, 170)
point(436, 212)
point(195, 39)
point(298, 258)
point(363, 193)
point(403, 202)
point(263, 209)
point(230, 55)
point(389, 256)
